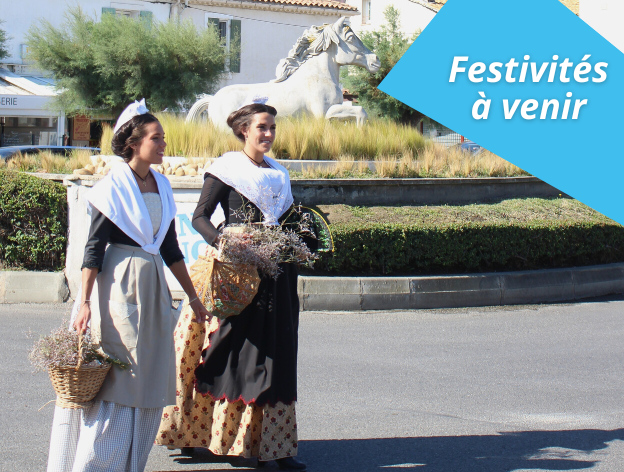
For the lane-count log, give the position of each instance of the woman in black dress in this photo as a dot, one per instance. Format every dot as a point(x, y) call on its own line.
point(248, 373)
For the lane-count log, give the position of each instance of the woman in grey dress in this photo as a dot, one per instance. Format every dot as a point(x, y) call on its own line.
point(126, 300)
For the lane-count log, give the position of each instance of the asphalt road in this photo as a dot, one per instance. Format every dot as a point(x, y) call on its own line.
point(492, 390)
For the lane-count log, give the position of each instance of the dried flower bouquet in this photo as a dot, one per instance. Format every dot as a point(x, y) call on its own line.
point(61, 348)
point(268, 246)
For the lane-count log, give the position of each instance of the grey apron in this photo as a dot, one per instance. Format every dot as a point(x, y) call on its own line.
point(132, 316)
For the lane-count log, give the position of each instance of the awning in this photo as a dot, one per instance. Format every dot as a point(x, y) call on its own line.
point(13, 84)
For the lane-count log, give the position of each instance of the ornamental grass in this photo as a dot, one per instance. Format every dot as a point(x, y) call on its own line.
point(400, 151)
point(47, 162)
point(434, 161)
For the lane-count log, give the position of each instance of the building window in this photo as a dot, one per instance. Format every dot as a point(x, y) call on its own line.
point(127, 13)
point(230, 32)
point(143, 15)
point(223, 29)
point(366, 12)
point(23, 130)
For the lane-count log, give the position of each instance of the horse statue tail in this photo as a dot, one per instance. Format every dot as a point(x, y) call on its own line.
point(198, 108)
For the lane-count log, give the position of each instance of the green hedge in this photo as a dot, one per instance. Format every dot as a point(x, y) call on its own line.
point(407, 249)
point(33, 236)
point(33, 222)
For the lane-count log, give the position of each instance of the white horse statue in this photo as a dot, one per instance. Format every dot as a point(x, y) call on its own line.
point(307, 80)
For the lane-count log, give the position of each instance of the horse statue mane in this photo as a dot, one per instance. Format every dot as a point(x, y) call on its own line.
point(312, 42)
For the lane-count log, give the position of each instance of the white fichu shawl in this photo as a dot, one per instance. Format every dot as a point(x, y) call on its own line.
point(268, 189)
point(117, 196)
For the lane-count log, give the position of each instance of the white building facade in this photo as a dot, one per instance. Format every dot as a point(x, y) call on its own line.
point(606, 17)
point(415, 15)
point(266, 29)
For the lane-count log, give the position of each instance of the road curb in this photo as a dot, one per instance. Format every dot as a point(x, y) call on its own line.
point(455, 291)
point(33, 287)
point(388, 293)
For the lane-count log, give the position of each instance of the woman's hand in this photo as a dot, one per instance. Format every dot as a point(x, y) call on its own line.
point(179, 271)
point(201, 314)
point(82, 320)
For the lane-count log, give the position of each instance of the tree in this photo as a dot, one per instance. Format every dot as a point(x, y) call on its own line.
point(103, 66)
point(4, 43)
point(389, 43)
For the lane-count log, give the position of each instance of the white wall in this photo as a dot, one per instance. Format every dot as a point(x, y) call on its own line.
point(413, 16)
point(606, 17)
point(19, 16)
point(266, 37)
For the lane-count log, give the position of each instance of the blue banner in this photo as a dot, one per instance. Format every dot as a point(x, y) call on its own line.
point(532, 83)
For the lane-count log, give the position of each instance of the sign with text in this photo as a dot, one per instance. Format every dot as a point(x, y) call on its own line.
point(82, 128)
point(533, 84)
point(191, 242)
point(24, 102)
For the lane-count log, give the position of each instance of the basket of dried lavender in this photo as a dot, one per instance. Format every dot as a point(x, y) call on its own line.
point(224, 288)
point(227, 280)
point(76, 366)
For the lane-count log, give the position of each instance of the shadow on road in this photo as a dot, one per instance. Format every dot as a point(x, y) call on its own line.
point(550, 450)
point(544, 450)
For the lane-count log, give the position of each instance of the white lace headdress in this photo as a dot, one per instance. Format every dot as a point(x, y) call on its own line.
point(132, 110)
point(254, 98)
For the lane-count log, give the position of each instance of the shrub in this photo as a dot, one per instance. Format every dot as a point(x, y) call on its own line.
point(33, 222)
point(101, 66)
point(4, 43)
point(511, 235)
point(389, 43)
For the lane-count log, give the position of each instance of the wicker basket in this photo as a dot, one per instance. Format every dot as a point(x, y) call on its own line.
point(224, 288)
point(76, 387)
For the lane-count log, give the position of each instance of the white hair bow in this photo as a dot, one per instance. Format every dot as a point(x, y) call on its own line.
point(132, 110)
point(254, 98)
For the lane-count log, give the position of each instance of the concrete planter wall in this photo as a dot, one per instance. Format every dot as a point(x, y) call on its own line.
point(186, 192)
point(32, 287)
point(418, 191)
point(390, 191)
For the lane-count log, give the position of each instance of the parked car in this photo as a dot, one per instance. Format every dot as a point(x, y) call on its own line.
point(11, 151)
point(469, 146)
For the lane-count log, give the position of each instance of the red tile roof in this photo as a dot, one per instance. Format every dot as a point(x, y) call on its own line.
point(437, 4)
point(338, 5)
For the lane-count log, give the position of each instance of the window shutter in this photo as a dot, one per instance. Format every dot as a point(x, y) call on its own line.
point(147, 17)
point(107, 11)
point(214, 22)
point(235, 45)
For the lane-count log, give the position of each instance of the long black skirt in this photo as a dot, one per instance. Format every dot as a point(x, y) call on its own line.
point(253, 356)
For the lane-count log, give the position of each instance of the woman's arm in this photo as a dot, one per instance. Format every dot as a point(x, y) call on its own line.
point(99, 235)
point(178, 269)
point(173, 257)
point(84, 314)
point(213, 192)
